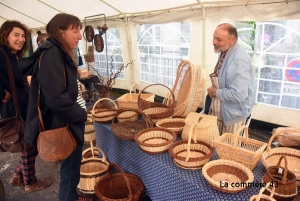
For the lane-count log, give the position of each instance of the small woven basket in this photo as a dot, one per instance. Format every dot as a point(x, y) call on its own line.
point(272, 155)
point(127, 129)
point(104, 112)
point(263, 197)
point(130, 100)
point(119, 186)
point(176, 125)
point(155, 140)
point(92, 169)
point(219, 172)
point(89, 131)
point(128, 115)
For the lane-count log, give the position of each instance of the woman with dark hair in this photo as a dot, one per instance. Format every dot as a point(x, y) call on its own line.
point(55, 71)
point(41, 37)
point(14, 42)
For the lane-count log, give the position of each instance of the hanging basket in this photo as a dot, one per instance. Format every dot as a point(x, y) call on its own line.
point(104, 112)
point(119, 186)
point(175, 124)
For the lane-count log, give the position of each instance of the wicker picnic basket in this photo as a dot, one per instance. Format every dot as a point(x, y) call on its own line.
point(263, 197)
point(240, 149)
point(119, 186)
point(174, 124)
point(155, 140)
point(219, 172)
point(271, 155)
point(204, 127)
point(156, 110)
point(127, 129)
point(130, 100)
point(89, 130)
point(283, 179)
point(105, 111)
point(92, 169)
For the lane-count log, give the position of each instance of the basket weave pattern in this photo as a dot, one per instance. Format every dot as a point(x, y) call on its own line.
point(104, 113)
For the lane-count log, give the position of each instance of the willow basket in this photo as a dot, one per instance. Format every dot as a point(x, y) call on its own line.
point(104, 112)
point(263, 197)
point(272, 155)
point(176, 125)
point(92, 169)
point(155, 140)
point(220, 171)
point(240, 149)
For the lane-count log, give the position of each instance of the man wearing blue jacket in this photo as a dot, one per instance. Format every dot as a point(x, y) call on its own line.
point(233, 83)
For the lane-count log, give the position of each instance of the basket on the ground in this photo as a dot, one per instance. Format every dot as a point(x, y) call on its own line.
point(89, 130)
point(263, 197)
point(127, 129)
point(174, 124)
point(104, 112)
point(283, 179)
point(220, 172)
point(128, 115)
point(155, 140)
point(130, 100)
point(272, 155)
point(240, 149)
point(92, 169)
point(156, 110)
point(119, 186)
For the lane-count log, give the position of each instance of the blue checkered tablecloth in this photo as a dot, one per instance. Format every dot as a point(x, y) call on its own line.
point(163, 180)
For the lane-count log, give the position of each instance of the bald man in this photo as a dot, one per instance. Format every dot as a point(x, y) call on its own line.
point(233, 84)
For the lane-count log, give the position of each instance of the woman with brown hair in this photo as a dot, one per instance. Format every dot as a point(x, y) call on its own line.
point(55, 71)
point(14, 42)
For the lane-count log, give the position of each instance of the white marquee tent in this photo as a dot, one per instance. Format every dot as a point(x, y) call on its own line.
point(202, 15)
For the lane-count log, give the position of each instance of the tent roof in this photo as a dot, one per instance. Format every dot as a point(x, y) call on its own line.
point(37, 13)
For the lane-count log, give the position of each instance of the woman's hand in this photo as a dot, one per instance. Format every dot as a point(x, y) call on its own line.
point(7, 97)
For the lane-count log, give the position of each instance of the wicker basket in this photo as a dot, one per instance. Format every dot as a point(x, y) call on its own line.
point(127, 129)
point(155, 110)
point(130, 100)
point(175, 125)
point(263, 197)
point(119, 186)
point(155, 140)
point(128, 115)
point(283, 179)
point(219, 172)
point(92, 169)
point(89, 131)
point(104, 113)
point(271, 156)
point(240, 149)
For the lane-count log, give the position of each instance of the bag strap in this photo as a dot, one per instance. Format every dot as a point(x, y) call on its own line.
point(12, 84)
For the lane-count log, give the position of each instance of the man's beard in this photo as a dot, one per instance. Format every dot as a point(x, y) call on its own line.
point(222, 49)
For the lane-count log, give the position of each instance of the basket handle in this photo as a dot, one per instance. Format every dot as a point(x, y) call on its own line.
point(188, 155)
point(278, 133)
point(263, 189)
point(131, 89)
point(237, 134)
point(285, 168)
point(103, 159)
point(123, 175)
point(90, 117)
point(101, 99)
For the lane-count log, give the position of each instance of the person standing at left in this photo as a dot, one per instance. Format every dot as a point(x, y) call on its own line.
point(14, 42)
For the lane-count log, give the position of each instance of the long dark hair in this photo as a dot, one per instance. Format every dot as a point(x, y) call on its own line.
point(41, 36)
point(5, 30)
point(63, 21)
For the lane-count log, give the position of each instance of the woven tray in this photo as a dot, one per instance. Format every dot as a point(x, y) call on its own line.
point(104, 112)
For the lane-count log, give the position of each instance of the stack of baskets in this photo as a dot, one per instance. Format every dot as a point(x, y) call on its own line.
point(104, 112)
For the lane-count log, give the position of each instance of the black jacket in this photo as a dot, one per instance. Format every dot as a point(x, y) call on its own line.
point(57, 80)
point(8, 109)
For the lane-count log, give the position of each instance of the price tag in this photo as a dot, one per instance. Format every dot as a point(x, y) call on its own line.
point(280, 170)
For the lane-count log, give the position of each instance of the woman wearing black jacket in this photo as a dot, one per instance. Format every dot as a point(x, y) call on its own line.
point(57, 78)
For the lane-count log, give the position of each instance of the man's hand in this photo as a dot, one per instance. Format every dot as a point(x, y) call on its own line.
point(211, 91)
point(7, 97)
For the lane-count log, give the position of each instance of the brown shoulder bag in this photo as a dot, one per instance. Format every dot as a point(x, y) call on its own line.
point(56, 144)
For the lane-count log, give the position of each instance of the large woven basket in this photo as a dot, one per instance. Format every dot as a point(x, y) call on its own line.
point(127, 129)
point(155, 140)
point(89, 130)
point(104, 112)
point(175, 124)
point(263, 197)
point(240, 149)
point(130, 100)
point(272, 155)
point(156, 110)
point(220, 172)
point(119, 186)
point(92, 169)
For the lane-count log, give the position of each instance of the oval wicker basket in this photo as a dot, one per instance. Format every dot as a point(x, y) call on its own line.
point(128, 115)
point(92, 169)
point(155, 140)
point(219, 172)
point(263, 197)
point(104, 113)
point(175, 124)
point(127, 129)
point(119, 186)
point(272, 155)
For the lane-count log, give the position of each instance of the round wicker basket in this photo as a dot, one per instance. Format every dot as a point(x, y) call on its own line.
point(104, 112)
point(128, 115)
point(176, 124)
point(220, 172)
point(155, 140)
